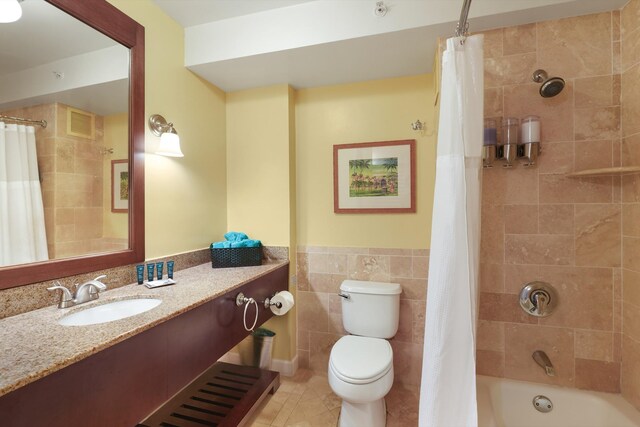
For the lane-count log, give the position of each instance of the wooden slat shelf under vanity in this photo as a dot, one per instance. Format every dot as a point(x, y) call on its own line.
point(225, 395)
point(617, 171)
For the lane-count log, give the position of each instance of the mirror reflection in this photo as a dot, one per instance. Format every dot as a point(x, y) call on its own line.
point(64, 138)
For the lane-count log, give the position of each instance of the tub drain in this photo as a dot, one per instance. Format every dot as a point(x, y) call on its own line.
point(542, 403)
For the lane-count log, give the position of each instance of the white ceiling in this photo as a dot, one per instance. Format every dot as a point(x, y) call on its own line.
point(239, 44)
point(44, 34)
point(102, 99)
point(195, 12)
point(49, 56)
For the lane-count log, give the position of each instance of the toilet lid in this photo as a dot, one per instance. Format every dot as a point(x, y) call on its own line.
point(360, 360)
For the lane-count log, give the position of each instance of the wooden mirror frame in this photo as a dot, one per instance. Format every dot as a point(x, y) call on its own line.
point(110, 21)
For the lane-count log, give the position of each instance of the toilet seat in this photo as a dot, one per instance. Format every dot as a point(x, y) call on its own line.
point(360, 360)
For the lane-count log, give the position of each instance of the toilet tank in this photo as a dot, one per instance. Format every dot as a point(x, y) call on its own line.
point(370, 309)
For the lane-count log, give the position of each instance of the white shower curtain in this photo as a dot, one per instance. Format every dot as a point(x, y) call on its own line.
point(22, 234)
point(448, 392)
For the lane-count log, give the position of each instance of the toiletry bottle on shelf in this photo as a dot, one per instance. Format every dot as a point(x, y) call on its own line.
point(510, 132)
point(490, 142)
point(530, 139)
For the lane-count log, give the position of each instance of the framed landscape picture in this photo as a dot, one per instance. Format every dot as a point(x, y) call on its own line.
point(119, 185)
point(374, 177)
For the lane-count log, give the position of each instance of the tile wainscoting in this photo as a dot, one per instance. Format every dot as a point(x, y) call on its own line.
point(321, 270)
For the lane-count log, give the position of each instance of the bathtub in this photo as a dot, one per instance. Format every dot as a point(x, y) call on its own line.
point(509, 403)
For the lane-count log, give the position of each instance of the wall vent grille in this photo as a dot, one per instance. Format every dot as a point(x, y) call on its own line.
point(80, 123)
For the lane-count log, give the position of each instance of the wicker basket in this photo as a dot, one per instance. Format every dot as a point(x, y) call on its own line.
point(236, 257)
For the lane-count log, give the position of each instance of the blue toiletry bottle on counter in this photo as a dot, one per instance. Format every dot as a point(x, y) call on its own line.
point(170, 269)
point(159, 268)
point(140, 273)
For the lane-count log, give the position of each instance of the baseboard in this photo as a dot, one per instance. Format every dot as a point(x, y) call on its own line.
point(286, 367)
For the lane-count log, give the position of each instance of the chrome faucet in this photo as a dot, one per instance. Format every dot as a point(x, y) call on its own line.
point(66, 299)
point(542, 359)
point(86, 292)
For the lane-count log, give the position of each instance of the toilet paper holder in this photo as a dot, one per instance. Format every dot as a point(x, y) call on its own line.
point(268, 303)
point(241, 299)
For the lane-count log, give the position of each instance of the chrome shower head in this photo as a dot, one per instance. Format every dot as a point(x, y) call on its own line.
point(550, 86)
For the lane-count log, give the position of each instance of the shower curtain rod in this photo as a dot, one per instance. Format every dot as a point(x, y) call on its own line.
point(463, 26)
point(42, 123)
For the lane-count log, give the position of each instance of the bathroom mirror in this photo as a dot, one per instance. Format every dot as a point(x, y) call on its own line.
point(79, 66)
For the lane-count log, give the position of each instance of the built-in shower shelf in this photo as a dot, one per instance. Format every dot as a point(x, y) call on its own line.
point(617, 171)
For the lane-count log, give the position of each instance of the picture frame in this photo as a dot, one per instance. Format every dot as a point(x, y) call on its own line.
point(375, 177)
point(120, 186)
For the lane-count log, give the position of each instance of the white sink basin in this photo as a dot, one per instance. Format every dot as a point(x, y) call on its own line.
point(109, 312)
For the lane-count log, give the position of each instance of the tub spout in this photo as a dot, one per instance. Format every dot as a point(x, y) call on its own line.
point(542, 359)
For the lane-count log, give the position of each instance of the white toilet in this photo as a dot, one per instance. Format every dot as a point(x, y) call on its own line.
point(361, 364)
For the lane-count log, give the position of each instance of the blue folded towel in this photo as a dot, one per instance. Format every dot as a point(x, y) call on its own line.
point(235, 236)
point(247, 243)
point(237, 239)
point(250, 243)
point(219, 245)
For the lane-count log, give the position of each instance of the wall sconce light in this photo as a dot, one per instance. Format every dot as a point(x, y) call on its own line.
point(169, 139)
point(10, 11)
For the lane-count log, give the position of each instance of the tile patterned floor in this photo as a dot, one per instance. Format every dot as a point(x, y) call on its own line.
point(306, 400)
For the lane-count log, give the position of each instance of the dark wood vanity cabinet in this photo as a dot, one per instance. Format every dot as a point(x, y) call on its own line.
point(121, 385)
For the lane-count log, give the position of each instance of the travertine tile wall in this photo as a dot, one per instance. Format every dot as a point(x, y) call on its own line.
point(71, 173)
point(72, 190)
point(540, 224)
point(321, 270)
point(630, 35)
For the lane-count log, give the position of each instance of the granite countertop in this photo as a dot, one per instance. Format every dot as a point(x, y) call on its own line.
point(34, 345)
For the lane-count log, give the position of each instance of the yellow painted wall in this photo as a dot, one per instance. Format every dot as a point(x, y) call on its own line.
point(379, 110)
point(261, 181)
point(257, 163)
point(116, 137)
point(185, 198)
point(243, 150)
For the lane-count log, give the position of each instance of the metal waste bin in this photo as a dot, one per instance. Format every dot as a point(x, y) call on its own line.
point(258, 351)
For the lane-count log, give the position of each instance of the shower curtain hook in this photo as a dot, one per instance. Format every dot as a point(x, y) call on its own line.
point(465, 33)
point(462, 29)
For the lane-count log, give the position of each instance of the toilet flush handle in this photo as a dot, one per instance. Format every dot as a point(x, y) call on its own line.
point(345, 296)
